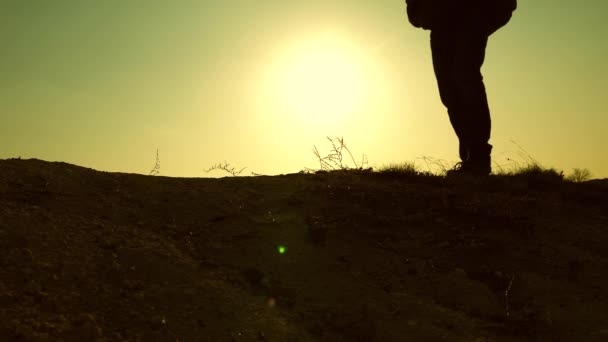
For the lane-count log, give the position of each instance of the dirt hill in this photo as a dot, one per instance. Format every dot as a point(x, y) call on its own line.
point(345, 256)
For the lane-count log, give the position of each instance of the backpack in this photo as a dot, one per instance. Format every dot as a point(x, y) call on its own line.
point(497, 13)
point(420, 13)
point(432, 14)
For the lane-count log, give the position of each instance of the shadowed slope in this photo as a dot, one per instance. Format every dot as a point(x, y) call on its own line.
point(91, 255)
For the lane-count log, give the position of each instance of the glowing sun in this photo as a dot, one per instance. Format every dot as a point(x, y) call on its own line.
point(321, 82)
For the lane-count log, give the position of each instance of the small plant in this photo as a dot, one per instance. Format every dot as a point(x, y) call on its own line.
point(227, 168)
point(579, 175)
point(338, 158)
point(156, 169)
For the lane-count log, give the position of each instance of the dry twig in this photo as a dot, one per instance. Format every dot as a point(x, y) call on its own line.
point(156, 169)
point(335, 160)
point(227, 168)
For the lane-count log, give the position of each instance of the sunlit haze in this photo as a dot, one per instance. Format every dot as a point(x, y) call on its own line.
point(324, 80)
point(321, 82)
point(104, 84)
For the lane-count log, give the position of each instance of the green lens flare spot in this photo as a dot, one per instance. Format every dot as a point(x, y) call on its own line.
point(281, 249)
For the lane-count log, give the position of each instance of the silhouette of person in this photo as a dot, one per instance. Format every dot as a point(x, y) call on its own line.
point(459, 34)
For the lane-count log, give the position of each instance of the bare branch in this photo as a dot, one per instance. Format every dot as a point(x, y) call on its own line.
point(227, 168)
point(156, 169)
point(334, 160)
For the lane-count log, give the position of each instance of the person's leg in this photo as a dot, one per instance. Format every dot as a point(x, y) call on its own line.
point(458, 56)
point(444, 52)
point(472, 98)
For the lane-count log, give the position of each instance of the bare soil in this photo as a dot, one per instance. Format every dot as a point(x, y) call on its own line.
point(95, 256)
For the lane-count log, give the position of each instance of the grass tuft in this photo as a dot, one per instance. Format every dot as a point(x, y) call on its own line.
point(407, 169)
point(535, 173)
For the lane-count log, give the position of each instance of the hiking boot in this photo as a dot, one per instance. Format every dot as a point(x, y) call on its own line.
point(470, 169)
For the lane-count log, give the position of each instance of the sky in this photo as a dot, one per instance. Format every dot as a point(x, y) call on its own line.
point(258, 84)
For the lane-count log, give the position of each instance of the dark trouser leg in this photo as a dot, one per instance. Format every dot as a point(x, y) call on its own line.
point(457, 59)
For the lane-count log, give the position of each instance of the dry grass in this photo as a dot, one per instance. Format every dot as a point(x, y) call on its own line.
point(406, 169)
point(340, 158)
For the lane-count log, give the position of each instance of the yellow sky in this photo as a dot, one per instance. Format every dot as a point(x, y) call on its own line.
point(103, 84)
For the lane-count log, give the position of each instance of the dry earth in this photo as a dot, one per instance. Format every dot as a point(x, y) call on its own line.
point(95, 256)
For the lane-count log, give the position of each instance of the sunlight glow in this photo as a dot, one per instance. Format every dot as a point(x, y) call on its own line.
point(321, 81)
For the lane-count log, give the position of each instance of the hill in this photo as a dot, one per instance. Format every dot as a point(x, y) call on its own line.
point(342, 256)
